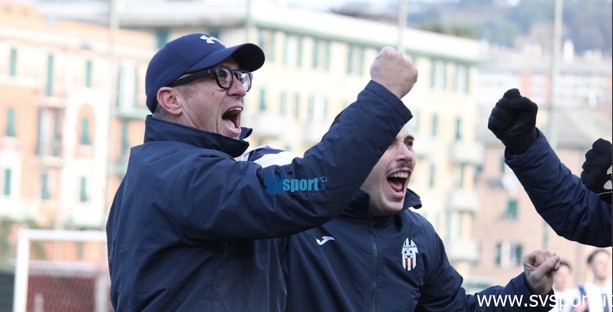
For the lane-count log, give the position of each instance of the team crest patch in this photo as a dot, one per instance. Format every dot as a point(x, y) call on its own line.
point(409, 254)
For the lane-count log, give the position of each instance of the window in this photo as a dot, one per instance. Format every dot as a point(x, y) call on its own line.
point(262, 101)
point(296, 106)
point(161, 36)
point(10, 122)
point(299, 52)
point(285, 104)
point(511, 212)
point(438, 75)
point(7, 182)
point(432, 175)
point(434, 128)
point(83, 190)
point(214, 32)
point(292, 51)
point(454, 226)
point(321, 55)
point(85, 133)
point(355, 60)
point(13, 62)
point(317, 109)
point(125, 144)
point(311, 108)
point(41, 138)
point(503, 165)
point(88, 73)
point(136, 89)
point(44, 186)
point(461, 81)
point(48, 133)
point(126, 92)
point(457, 176)
point(266, 41)
point(458, 129)
point(508, 254)
point(50, 67)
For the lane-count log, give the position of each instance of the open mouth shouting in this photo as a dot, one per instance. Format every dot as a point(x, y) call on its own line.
point(232, 121)
point(397, 182)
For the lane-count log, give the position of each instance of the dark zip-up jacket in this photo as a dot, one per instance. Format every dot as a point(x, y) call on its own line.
point(571, 209)
point(191, 229)
point(358, 262)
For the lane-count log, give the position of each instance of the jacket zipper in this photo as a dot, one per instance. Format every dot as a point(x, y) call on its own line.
point(375, 249)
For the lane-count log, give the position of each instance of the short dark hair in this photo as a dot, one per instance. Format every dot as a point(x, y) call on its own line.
point(590, 258)
point(566, 264)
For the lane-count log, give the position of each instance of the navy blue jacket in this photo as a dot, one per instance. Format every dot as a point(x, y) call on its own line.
point(567, 205)
point(358, 262)
point(191, 229)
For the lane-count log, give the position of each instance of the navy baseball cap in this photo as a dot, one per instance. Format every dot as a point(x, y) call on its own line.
point(192, 53)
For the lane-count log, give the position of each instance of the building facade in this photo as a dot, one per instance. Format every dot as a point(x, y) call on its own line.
point(58, 79)
point(313, 70)
point(73, 96)
point(508, 226)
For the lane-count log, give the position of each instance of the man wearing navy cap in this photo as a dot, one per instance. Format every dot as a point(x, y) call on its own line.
point(190, 228)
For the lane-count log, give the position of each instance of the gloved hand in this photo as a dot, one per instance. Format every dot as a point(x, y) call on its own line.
point(513, 121)
point(597, 163)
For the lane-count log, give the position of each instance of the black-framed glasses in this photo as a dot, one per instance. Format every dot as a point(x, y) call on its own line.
point(223, 75)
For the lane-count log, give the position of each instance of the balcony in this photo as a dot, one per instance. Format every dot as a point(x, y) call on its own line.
point(53, 102)
point(265, 125)
point(49, 153)
point(137, 113)
point(466, 153)
point(463, 201)
point(462, 250)
point(57, 99)
point(19, 209)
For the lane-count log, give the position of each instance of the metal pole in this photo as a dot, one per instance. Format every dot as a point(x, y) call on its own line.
point(402, 23)
point(112, 59)
point(248, 20)
point(554, 71)
point(20, 294)
point(553, 76)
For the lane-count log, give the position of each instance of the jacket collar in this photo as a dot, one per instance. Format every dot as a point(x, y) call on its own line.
point(358, 207)
point(160, 130)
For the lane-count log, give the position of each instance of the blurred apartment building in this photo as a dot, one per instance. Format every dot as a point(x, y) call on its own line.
point(71, 139)
point(61, 136)
point(66, 93)
point(507, 226)
point(73, 94)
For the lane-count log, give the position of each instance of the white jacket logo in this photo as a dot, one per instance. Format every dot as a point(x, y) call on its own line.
point(409, 254)
point(209, 39)
point(324, 239)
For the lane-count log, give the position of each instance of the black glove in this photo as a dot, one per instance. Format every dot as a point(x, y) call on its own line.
point(597, 163)
point(513, 121)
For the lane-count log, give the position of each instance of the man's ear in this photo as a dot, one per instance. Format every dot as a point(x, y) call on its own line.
point(170, 99)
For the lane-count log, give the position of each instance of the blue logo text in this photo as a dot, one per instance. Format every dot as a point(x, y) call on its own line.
point(277, 183)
